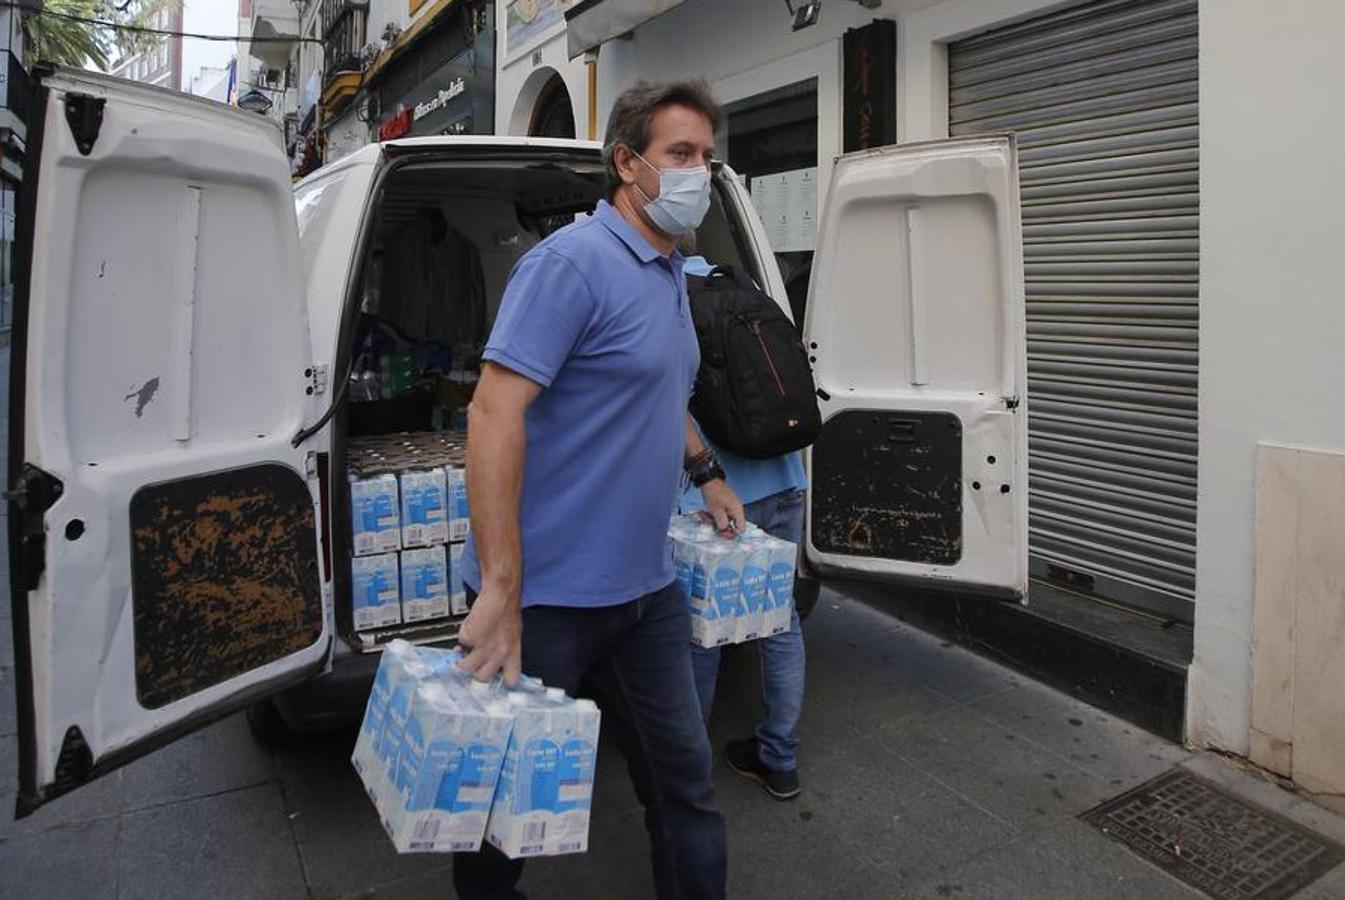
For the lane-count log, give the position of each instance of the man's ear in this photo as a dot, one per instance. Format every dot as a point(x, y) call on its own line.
point(625, 161)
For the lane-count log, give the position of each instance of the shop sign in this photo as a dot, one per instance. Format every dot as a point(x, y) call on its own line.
point(396, 126)
point(440, 99)
point(870, 90)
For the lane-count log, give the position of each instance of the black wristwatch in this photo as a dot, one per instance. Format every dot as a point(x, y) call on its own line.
point(706, 469)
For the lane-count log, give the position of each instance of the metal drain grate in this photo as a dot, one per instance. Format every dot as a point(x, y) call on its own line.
point(1214, 841)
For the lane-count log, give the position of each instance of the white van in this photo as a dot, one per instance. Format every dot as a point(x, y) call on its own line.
point(180, 406)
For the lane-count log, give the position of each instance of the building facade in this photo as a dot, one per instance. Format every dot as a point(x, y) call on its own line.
point(1183, 321)
point(16, 93)
point(161, 63)
point(393, 68)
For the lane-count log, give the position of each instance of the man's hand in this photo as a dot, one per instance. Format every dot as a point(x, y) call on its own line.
point(722, 502)
point(493, 632)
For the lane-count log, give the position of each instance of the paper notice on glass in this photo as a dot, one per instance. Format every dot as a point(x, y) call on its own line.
point(787, 204)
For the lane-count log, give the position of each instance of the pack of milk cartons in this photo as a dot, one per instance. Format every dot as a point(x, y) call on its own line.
point(738, 589)
point(425, 584)
point(375, 591)
point(545, 795)
point(375, 518)
point(430, 749)
point(424, 507)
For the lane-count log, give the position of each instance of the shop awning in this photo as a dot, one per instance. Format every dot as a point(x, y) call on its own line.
point(591, 23)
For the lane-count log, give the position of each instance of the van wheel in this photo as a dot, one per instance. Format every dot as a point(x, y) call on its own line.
point(806, 591)
point(268, 725)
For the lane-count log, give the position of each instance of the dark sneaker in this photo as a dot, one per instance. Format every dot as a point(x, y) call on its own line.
point(742, 757)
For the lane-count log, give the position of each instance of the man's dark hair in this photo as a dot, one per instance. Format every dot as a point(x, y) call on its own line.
point(633, 113)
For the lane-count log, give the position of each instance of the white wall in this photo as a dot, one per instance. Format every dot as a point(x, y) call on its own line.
point(1272, 304)
point(520, 73)
point(747, 46)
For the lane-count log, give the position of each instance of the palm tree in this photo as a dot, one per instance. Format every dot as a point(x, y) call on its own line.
point(62, 31)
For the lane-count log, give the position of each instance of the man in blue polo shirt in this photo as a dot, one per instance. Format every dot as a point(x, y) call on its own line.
point(577, 439)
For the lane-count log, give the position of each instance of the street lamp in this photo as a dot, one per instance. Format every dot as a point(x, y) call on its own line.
point(255, 101)
point(807, 12)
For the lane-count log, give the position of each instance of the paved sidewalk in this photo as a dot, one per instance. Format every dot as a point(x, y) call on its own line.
point(928, 772)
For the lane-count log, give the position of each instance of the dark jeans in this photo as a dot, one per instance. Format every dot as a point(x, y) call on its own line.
point(634, 659)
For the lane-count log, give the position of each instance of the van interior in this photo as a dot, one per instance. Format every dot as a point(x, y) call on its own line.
point(430, 278)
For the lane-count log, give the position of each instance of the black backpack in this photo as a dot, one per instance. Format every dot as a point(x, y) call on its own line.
point(754, 393)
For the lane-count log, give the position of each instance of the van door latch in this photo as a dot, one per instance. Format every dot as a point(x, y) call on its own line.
point(32, 495)
point(317, 380)
point(84, 113)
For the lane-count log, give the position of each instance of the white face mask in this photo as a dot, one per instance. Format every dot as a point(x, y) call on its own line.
point(682, 201)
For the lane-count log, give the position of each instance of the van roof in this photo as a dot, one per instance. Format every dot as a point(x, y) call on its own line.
point(369, 153)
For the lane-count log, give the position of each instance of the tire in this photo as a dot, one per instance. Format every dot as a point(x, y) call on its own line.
point(806, 591)
point(268, 725)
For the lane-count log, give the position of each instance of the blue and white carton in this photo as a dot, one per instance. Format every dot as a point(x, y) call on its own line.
point(780, 585)
point(425, 586)
point(375, 519)
point(424, 508)
point(395, 677)
point(756, 601)
point(374, 592)
point(457, 590)
point(458, 513)
point(716, 586)
point(545, 795)
point(448, 767)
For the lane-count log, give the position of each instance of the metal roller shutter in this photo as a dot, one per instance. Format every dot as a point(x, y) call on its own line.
point(1103, 99)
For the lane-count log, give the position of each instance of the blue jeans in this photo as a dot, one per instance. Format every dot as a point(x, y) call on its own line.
point(632, 658)
point(782, 663)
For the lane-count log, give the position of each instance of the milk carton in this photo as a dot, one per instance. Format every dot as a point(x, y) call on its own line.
point(374, 593)
point(756, 550)
point(716, 588)
point(417, 665)
point(780, 585)
point(374, 519)
point(545, 795)
point(425, 589)
point(457, 592)
point(458, 518)
point(424, 508)
point(366, 757)
point(447, 767)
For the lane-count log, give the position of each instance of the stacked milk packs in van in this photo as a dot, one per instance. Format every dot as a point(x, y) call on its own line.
point(408, 497)
point(449, 761)
point(739, 589)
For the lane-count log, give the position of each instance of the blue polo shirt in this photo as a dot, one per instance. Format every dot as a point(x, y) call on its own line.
point(599, 319)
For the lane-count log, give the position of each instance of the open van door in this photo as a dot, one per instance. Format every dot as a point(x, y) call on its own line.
point(163, 547)
point(916, 325)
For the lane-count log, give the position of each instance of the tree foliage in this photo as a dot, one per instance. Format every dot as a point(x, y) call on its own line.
point(56, 33)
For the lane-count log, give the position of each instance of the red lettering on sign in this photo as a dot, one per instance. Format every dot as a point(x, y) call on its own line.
point(395, 127)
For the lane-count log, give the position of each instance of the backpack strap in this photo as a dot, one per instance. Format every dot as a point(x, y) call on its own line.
point(734, 274)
